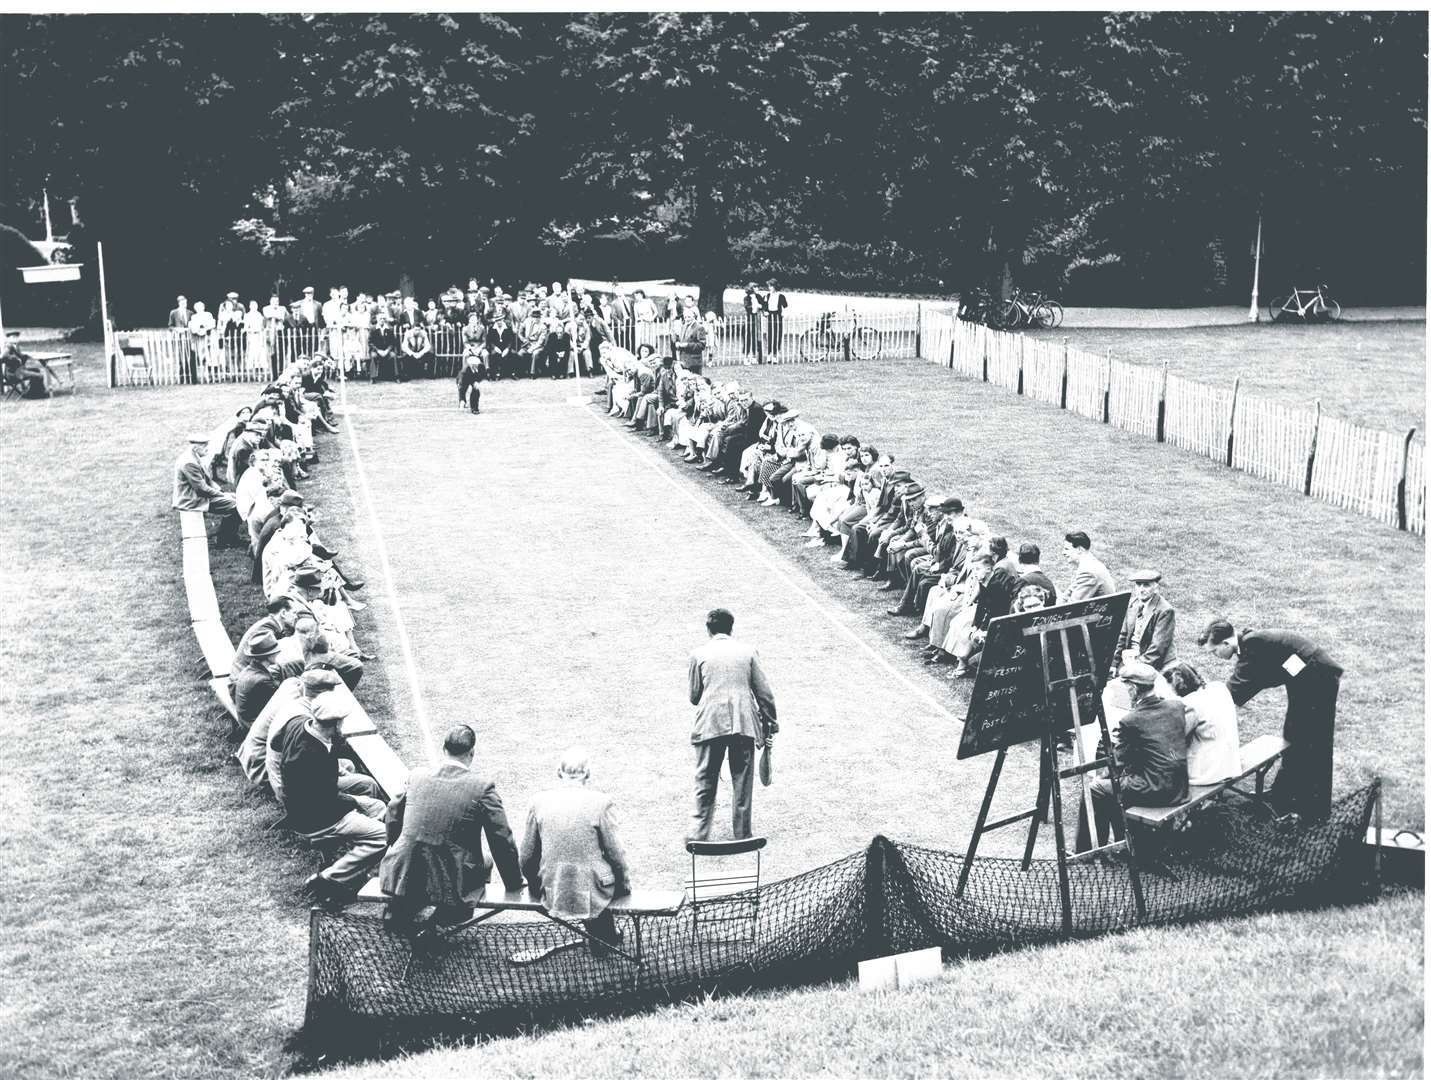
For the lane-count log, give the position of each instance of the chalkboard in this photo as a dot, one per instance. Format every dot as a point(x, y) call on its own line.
point(1009, 705)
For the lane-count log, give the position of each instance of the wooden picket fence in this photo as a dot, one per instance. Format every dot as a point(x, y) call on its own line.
point(1375, 473)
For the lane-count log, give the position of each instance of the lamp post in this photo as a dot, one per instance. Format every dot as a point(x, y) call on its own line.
point(1254, 314)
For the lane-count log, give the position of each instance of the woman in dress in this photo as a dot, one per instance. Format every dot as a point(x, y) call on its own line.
point(644, 312)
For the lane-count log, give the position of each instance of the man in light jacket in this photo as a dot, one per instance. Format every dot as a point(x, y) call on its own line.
point(570, 854)
point(733, 701)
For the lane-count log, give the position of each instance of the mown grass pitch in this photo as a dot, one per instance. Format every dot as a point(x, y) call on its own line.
point(152, 923)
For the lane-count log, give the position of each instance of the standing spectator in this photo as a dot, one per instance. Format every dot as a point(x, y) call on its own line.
point(644, 311)
point(255, 350)
point(332, 312)
point(230, 332)
point(734, 707)
point(179, 329)
point(622, 318)
point(275, 322)
point(435, 836)
point(571, 855)
point(691, 343)
point(1147, 634)
point(1090, 577)
point(754, 305)
point(1267, 658)
point(201, 333)
point(775, 305)
point(307, 318)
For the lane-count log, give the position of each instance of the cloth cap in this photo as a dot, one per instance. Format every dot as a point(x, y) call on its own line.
point(308, 288)
point(320, 679)
point(262, 643)
point(231, 296)
point(199, 438)
point(1138, 673)
point(1142, 576)
point(329, 708)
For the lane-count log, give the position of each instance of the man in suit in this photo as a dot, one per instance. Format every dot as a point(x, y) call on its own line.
point(571, 855)
point(691, 344)
point(1147, 634)
point(775, 305)
point(1152, 755)
point(275, 322)
point(179, 328)
point(622, 317)
point(307, 317)
point(1267, 658)
point(754, 305)
point(229, 319)
point(1032, 573)
point(1090, 577)
point(195, 489)
point(435, 836)
point(734, 705)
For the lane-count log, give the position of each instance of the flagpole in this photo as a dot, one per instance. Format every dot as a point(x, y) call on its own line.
point(1253, 313)
point(104, 314)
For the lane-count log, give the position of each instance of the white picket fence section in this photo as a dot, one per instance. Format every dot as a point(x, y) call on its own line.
point(1197, 417)
point(1272, 441)
point(1133, 391)
point(1357, 468)
point(1043, 370)
point(1087, 380)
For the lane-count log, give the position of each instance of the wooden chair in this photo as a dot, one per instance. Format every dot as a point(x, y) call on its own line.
point(725, 899)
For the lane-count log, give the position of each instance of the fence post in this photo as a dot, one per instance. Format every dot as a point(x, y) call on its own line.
point(1063, 379)
point(1022, 341)
point(760, 324)
point(918, 331)
point(1163, 404)
point(1107, 386)
point(1401, 515)
point(953, 338)
point(1312, 448)
point(985, 338)
point(1232, 417)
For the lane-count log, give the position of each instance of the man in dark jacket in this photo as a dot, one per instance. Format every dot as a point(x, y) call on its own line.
point(322, 813)
point(434, 833)
point(1267, 658)
point(1147, 633)
point(1152, 755)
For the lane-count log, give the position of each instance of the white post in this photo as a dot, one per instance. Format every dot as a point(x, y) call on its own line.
point(104, 315)
point(1253, 314)
point(49, 228)
point(2, 332)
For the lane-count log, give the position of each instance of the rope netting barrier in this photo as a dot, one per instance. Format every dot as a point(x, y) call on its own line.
point(365, 977)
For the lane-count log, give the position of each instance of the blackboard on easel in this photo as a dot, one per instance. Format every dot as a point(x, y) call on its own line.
point(1010, 700)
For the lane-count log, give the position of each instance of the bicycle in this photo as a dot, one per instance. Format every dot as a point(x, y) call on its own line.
point(1318, 306)
point(825, 341)
point(1036, 312)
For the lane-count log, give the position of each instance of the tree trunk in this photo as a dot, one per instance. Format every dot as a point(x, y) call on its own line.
point(710, 261)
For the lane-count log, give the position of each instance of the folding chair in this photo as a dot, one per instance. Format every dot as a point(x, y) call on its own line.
point(725, 898)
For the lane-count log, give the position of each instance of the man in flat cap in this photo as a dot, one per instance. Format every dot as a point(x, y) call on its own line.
point(1267, 658)
point(1147, 633)
point(307, 316)
point(1151, 750)
point(196, 489)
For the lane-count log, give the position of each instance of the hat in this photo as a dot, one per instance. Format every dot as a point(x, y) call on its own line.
point(290, 498)
point(231, 296)
point(320, 679)
point(1138, 673)
point(951, 505)
point(308, 288)
point(789, 414)
point(1144, 576)
point(773, 406)
point(308, 579)
point(329, 708)
point(263, 643)
point(199, 438)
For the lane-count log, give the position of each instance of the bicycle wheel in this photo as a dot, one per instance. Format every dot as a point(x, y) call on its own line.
point(865, 343)
point(1055, 312)
point(810, 348)
point(1040, 317)
point(1010, 315)
point(1277, 308)
point(1331, 311)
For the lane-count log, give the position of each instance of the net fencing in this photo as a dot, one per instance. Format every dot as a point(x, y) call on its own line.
point(817, 926)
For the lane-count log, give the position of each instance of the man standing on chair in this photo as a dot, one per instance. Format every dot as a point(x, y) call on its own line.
point(733, 704)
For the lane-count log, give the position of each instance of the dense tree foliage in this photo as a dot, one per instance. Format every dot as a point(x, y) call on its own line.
point(1122, 158)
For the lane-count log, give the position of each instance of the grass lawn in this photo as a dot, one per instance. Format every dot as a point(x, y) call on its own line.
point(1370, 373)
point(551, 573)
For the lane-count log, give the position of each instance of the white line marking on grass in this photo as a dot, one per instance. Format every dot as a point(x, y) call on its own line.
point(419, 710)
point(707, 508)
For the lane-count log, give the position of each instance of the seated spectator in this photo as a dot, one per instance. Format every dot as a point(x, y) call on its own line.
point(321, 592)
point(1032, 573)
point(1147, 634)
point(217, 453)
point(943, 551)
point(830, 499)
point(383, 350)
point(571, 855)
point(1090, 577)
point(294, 650)
point(1151, 751)
point(826, 461)
point(501, 345)
point(195, 489)
point(708, 410)
point(663, 395)
point(23, 373)
point(417, 356)
point(435, 832)
point(793, 450)
point(256, 676)
point(1214, 746)
point(321, 812)
point(743, 420)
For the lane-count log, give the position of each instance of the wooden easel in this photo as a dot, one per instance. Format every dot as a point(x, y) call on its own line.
point(1050, 635)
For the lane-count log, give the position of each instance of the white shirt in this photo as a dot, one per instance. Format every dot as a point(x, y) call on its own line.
point(1214, 748)
point(250, 496)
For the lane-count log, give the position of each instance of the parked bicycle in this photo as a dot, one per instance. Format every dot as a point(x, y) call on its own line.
point(1033, 312)
point(833, 332)
point(1309, 305)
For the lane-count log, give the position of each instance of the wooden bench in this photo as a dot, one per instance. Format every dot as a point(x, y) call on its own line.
point(378, 759)
point(192, 525)
point(61, 369)
point(1256, 757)
point(214, 643)
point(224, 691)
point(494, 898)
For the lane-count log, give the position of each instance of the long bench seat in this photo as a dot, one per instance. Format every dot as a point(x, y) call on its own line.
point(1257, 757)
